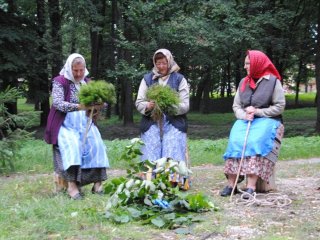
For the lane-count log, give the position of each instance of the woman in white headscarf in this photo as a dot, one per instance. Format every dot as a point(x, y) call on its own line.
point(172, 143)
point(77, 161)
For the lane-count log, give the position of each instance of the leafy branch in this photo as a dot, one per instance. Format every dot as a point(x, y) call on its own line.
point(155, 201)
point(12, 128)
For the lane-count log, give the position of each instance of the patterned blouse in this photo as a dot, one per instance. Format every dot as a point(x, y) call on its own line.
point(58, 97)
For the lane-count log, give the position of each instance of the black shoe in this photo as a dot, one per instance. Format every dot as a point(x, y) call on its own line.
point(248, 193)
point(227, 191)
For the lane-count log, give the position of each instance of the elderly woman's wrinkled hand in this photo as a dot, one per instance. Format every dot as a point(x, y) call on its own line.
point(250, 111)
point(94, 111)
point(150, 106)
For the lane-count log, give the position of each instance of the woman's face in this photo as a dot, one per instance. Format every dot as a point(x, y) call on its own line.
point(247, 64)
point(162, 66)
point(78, 71)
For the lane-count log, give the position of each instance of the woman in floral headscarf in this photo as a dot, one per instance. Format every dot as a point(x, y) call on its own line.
point(259, 99)
point(172, 143)
point(76, 161)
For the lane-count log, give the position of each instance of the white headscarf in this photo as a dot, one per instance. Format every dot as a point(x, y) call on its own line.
point(66, 71)
point(173, 66)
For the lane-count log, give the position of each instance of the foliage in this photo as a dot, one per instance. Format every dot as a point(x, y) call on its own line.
point(165, 98)
point(97, 92)
point(11, 128)
point(153, 200)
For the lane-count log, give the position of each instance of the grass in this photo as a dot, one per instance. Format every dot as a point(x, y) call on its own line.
point(30, 210)
point(36, 155)
point(304, 98)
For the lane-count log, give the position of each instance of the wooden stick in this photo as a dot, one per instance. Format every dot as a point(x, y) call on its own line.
point(89, 121)
point(241, 160)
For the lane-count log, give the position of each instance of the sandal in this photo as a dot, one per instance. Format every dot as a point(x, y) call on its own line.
point(78, 196)
point(100, 192)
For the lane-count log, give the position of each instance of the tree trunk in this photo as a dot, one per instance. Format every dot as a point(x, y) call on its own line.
point(96, 38)
point(223, 82)
point(298, 81)
point(229, 90)
point(42, 76)
point(56, 40)
point(317, 63)
point(206, 92)
point(114, 51)
point(127, 106)
point(196, 101)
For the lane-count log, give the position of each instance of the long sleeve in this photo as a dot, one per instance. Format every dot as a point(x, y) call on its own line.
point(239, 112)
point(58, 99)
point(184, 97)
point(278, 103)
point(141, 102)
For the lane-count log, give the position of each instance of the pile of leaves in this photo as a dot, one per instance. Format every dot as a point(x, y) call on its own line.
point(165, 98)
point(154, 201)
point(97, 92)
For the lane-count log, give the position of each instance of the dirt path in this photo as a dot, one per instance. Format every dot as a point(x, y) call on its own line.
point(299, 180)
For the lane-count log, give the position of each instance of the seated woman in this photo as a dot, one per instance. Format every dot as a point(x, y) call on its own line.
point(172, 140)
point(259, 99)
point(77, 160)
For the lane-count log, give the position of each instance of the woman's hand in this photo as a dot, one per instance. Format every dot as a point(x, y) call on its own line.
point(250, 111)
point(150, 106)
point(81, 107)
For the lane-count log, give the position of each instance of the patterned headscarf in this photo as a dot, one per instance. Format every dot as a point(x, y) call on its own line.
point(260, 65)
point(66, 71)
point(173, 66)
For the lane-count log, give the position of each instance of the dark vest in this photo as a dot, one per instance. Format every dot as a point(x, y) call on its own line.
point(178, 121)
point(261, 96)
point(56, 117)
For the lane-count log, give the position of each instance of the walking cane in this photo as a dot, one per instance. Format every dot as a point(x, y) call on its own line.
point(241, 160)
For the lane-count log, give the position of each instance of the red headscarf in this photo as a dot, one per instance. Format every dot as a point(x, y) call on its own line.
point(260, 65)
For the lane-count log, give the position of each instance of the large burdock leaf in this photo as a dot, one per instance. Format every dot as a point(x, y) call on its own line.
point(159, 222)
point(123, 218)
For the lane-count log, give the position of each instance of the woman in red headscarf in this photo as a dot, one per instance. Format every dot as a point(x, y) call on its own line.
point(259, 99)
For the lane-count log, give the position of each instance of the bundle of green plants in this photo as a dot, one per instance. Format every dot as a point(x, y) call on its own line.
point(97, 92)
point(154, 201)
point(165, 98)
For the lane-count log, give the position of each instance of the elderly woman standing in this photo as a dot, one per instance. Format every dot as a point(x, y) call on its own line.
point(259, 99)
point(172, 143)
point(77, 161)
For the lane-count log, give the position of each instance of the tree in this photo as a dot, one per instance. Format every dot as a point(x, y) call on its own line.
point(12, 128)
point(42, 99)
point(16, 40)
point(56, 39)
point(317, 64)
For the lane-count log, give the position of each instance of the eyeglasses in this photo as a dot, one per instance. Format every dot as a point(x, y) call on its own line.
point(161, 64)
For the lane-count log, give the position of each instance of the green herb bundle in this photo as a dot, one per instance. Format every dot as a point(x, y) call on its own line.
point(166, 100)
point(97, 92)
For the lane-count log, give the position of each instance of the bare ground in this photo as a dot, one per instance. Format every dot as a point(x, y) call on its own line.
point(299, 180)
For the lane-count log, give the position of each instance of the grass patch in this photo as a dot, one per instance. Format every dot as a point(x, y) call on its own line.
point(36, 156)
point(304, 98)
